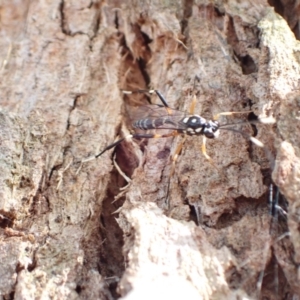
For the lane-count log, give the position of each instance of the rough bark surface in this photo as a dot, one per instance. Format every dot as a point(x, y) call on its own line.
point(67, 230)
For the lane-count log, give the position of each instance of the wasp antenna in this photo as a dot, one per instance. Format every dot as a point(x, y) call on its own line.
point(137, 91)
point(230, 113)
point(267, 120)
point(126, 92)
point(106, 149)
point(246, 135)
point(256, 142)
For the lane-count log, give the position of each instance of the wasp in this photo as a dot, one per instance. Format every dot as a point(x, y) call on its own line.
point(178, 122)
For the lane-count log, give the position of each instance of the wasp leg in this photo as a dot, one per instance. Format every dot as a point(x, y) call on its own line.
point(136, 136)
point(107, 148)
point(158, 136)
point(193, 105)
point(104, 150)
point(203, 149)
point(176, 154)
point(160, 96)
point(194, 100)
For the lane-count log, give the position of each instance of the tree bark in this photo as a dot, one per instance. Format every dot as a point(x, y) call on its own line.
point(73, 230)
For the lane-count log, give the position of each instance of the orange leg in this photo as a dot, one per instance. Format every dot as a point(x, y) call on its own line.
point(203, 149)
point(175, 155)
point(193, 105)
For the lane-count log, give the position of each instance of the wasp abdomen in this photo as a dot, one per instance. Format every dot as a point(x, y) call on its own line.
point(146, 124)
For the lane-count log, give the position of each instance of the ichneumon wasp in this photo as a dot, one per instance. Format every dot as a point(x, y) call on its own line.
point(162, 116)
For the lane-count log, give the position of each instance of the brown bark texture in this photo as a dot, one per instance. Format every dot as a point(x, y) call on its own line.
point(121, 225)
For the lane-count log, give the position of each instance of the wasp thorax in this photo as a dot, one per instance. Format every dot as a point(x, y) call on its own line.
point(194, 121)
point(196, 125)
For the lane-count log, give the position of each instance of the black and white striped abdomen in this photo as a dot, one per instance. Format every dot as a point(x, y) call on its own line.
point(146, 124)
